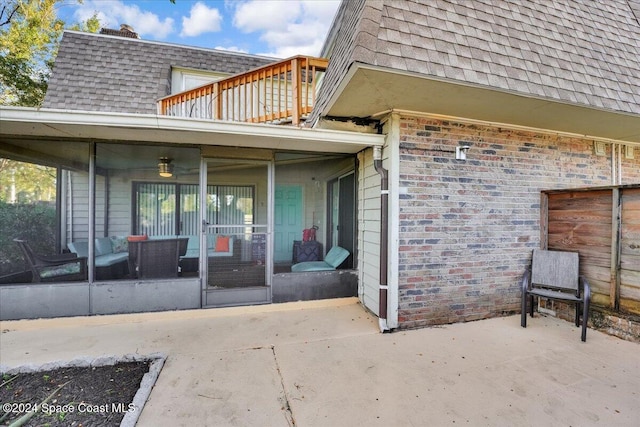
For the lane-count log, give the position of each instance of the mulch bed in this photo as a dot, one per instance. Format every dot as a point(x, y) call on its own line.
point(91, 396)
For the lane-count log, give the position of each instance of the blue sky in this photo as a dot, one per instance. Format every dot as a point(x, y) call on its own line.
point(278, 28)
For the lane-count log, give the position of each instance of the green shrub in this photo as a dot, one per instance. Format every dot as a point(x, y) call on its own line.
point(35, 223)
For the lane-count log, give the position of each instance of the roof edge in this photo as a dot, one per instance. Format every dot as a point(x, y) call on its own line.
point(181, 46)
point(355, 66)
point(156, 122)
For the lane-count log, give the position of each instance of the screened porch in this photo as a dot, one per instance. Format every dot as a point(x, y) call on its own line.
point(191, 220)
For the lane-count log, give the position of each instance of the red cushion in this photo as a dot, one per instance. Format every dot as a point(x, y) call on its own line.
point(222, 244)
point(138, 238)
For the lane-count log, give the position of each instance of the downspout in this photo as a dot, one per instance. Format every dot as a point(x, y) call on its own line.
point(384, 236)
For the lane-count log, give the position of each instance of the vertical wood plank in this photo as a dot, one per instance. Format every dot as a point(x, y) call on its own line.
point(629, 291)
point(614, 294)
point(544, 220)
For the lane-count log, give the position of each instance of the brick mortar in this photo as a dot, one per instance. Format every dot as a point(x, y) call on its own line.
point(466, 229)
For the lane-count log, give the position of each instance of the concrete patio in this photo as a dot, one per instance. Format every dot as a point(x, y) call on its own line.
point(324, 363)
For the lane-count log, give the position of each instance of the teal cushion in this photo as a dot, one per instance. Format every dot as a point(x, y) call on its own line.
point(103, 246)
point(312, 266)
point(336, 256)
point(60, 270)
point(111, 259)
point(193, 243)
point(79, 248)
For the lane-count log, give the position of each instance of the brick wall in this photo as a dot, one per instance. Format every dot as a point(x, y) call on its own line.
point(467, 228)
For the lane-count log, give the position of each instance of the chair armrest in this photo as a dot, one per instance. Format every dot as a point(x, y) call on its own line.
point(57, 258)
point(526, 281)
point(585, 288)
point(81, 260)
point(52, 261)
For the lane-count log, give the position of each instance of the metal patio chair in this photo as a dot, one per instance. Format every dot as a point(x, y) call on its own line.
point(554, 275)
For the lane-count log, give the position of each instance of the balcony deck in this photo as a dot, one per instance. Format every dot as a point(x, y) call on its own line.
point(283, 92)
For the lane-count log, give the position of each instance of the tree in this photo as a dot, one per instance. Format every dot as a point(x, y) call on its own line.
point(30, 32)
point(26, 182)
point(91, 25)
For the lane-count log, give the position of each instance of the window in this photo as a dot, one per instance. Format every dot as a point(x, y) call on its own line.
point(171, 209)
point(184, 79)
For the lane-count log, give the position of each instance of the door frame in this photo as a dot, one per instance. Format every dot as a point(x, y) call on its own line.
point(236, 296)
point(330, 224)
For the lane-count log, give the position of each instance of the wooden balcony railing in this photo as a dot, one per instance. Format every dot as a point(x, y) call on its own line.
point(282, 92)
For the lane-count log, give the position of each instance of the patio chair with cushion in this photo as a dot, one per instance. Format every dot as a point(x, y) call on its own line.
point(56, 268)
point(554, 275)
point(156, 258)
point(334, 258)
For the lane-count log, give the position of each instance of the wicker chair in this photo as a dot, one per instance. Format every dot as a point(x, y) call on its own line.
point(56, 268)
point(156, 259)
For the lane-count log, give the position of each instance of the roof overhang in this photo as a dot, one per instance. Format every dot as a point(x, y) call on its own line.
point(20, 123)
point(368, 91)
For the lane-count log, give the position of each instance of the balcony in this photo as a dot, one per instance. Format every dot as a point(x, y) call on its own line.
point(280, 93)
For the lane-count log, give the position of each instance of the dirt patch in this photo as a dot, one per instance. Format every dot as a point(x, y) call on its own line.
point(84, 396)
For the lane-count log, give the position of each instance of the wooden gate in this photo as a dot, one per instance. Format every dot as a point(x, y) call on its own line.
point(603, 226)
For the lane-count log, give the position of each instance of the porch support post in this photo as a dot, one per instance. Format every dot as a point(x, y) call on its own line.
point(271, 177)
point(92, 216)
point(203, 262)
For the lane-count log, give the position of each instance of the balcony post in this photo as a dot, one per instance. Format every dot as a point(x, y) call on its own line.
point(216, 100)
point(296, 91)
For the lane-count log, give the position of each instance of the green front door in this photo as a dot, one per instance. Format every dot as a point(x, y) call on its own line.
point(288, 223)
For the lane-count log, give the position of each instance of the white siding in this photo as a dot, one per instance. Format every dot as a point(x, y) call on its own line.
point(119, 207)
point(101, 202)
point(77, 216)
point(77, 206)
point(368, 231)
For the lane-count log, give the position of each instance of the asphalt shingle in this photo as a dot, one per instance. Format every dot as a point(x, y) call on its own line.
point(128, 75)
point(567, 50)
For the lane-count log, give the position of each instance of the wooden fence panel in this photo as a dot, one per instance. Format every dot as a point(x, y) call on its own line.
point(630, 251)
point(581, 221)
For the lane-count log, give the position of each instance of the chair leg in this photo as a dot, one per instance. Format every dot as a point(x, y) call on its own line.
point(585, 318)
point(531, 305)
point(578, 314)
point(523, 312)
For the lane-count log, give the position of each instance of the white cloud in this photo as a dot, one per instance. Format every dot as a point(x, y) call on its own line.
point(287, 27)
point(231, 49)
point(112, 13)
point(265, 15)
point(201, 19)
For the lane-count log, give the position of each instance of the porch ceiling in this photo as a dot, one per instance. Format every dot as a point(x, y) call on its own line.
point(18, 123)
point(369, 90)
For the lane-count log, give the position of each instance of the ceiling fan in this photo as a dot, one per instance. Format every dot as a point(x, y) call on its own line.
point(165, 168)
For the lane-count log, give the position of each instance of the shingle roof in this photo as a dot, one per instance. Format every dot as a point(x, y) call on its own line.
point(574, 51)
point(106, 73)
